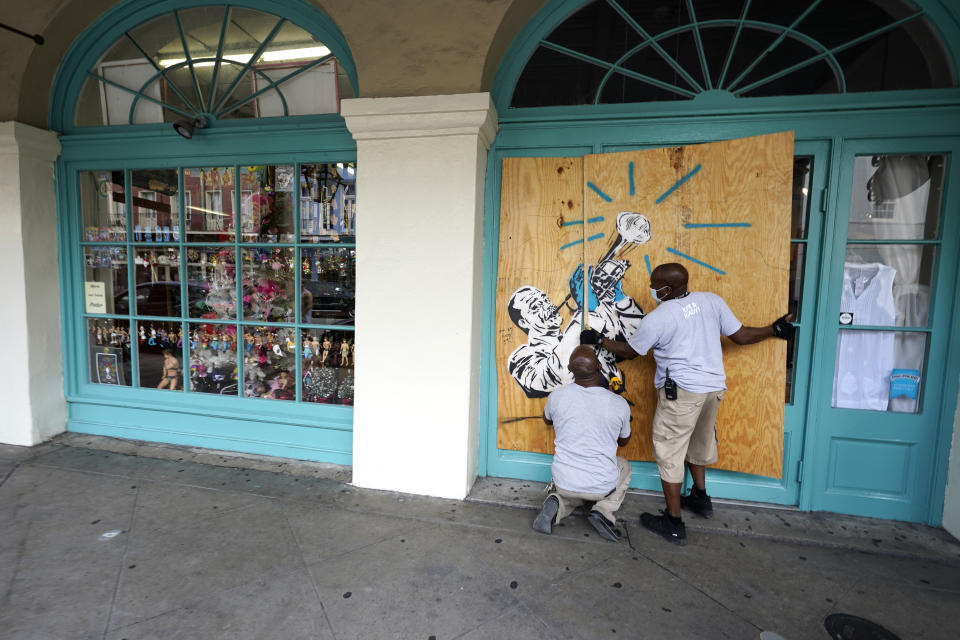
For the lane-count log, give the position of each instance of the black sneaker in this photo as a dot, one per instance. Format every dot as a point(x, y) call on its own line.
point(603, 526)
point(544, 520)
point(699, 504)
point(661, 525)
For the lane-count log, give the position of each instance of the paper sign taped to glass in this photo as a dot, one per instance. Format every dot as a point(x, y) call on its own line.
point(905, 383)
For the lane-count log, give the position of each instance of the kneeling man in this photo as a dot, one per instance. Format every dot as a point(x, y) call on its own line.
point(590, 422)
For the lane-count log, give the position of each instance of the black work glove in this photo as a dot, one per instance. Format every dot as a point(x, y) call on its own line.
point(590, 336)
point(782, 328)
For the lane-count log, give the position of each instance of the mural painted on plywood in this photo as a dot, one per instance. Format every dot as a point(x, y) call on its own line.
point(722, 209)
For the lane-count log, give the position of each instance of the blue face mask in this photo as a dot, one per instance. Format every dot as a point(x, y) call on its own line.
point(655, 295)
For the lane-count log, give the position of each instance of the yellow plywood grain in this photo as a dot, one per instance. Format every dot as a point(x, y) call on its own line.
point(540, 198)
point(743, 185)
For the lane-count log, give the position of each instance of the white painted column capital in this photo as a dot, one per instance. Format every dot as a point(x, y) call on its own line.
point(23, 140)
point(421, 166)
point(421, 117)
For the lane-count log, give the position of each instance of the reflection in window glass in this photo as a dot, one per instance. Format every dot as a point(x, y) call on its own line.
point(269, 363)
point(158, 281)
point(266, 203)
point(105, 272)
point(802, 176)
point(329, 278)
point(896, 197)
point(211, 208)
point(268, 284)
point(156, 217)
point(879, 370)
point(328, 202)
point(159, 347)
point(102, 205)
point(213, 358)
point(328, 361)
point(211, 284)
point(108, 342)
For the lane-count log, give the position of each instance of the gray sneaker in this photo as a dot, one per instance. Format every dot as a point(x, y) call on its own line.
point(544, 520)
point(603, 526)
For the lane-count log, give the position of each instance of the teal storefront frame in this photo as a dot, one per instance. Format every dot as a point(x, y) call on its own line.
point(825, 127)
point(297, 430)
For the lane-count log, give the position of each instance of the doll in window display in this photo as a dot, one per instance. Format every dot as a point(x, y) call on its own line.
point(171, 371)
point(281, 387)
point(325, 353)
point(345, 353)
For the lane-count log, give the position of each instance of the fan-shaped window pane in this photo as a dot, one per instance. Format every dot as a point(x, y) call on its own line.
point(217, 63)
point(613, 51)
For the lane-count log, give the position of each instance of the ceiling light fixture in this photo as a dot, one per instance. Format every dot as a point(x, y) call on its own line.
point(267, 56)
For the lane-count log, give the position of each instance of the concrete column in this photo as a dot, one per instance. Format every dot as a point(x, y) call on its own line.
point(421, 163)
point(31, 378)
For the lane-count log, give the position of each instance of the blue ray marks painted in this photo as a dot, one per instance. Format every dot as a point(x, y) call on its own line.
point(646, 259)
point(630, 171)
point(678, 183)
point(693, 225)
point(599, 192)
point(589, 221)
point(699, 262)
point(576, 242)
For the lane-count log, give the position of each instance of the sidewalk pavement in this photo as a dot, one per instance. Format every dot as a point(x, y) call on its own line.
point(113, 539)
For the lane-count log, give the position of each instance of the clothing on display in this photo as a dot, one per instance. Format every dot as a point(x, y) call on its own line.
point(865, 358)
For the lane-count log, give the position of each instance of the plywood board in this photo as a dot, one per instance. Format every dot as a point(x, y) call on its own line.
point(721, 209)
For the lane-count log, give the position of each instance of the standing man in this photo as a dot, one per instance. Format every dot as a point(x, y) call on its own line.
point(684, 333)
point(590, 422)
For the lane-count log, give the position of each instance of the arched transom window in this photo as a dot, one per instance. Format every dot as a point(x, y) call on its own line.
point(212, 63)
point(617, 51)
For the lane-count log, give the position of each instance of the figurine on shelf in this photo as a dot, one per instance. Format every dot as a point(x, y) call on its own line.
point(171, 371)
point(345, 354)
point(325, 353)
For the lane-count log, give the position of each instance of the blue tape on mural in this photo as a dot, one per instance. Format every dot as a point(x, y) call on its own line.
point(600, 193)
point(904, 382)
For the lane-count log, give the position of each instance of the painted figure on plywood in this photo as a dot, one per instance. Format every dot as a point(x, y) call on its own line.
point(540, 365)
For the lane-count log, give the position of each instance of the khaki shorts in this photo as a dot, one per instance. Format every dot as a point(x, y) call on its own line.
point(685, 429)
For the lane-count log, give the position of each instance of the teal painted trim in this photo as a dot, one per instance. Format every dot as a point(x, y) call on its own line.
point(111, 26)
point(248, 64)
point(733, 43)
point(944, 15)
point(208, 106)
point(917, 502)
point(951, 375)
point(186, 53)
point(273, 86)
point(699, 41)
point(213, 432)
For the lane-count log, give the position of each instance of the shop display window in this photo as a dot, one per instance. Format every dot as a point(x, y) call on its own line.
point(211, 198)
point(213, 358)
point(157, 281)
point(160, 354)
point(268, 284)
point(266, 203)
point(329, 278)
point(328, 202)
point(102, 206)
point(265, 313)
point(327, 370)
point(270, 363)
point(108, 343)
point(155, 212)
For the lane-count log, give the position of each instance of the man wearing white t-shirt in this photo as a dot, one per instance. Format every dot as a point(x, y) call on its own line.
point(684, 332)
point(589, 422)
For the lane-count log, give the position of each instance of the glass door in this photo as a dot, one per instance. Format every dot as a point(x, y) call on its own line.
point(885, 320)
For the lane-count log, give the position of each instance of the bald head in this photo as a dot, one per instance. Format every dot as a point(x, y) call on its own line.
point(670, 274)
point(584, 365)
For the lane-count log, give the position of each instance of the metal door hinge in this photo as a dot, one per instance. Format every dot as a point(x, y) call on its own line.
point(823, 199)
point(799, 471)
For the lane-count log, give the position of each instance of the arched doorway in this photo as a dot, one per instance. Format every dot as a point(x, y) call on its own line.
point(207, 214)
point(869, 90)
